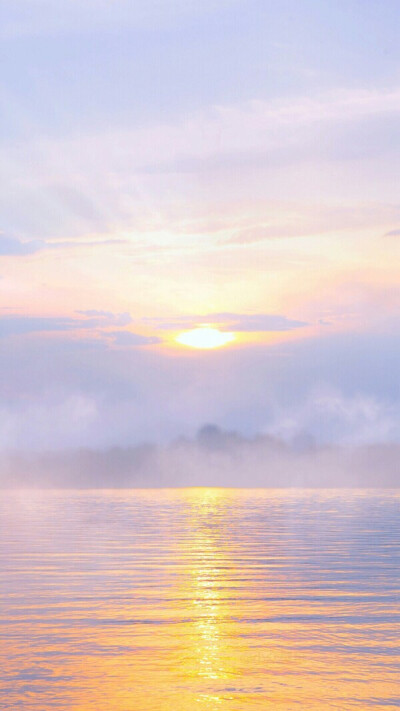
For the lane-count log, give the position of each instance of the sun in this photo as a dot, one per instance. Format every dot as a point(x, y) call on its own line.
point(205, 337)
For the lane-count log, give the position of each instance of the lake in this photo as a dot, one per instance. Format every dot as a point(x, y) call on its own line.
point(199, 599)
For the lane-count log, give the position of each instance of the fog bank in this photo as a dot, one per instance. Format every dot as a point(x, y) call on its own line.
point(213, 458)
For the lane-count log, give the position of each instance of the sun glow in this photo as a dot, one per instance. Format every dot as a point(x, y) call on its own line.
point(205, 337)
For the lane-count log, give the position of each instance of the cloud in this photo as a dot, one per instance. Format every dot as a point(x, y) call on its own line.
point(70, 413)
point(73, 244)
point(260, 132)
point(23, 325)
point(290, 221)
point(334, 417)
point(266, 232)
point(392, 233)
point(10, 246)
point(12, 325)
point(13, 247)
point(127, 338)
point(106, 318)
point(123, 179)
point(256, 323)
point(336, 389)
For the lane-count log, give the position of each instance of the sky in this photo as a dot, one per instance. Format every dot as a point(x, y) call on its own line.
point(173, 166)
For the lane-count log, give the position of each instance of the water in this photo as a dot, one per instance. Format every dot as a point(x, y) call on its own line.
point(199, 599)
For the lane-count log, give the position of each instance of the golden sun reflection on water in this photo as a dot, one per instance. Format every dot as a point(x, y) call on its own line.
point(203, 584)
point(199, 599)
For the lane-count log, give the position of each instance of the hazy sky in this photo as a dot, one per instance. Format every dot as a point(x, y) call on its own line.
point(167, 164)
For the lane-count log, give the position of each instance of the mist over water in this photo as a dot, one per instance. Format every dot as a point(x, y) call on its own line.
point(199, 599)
point(215, 458)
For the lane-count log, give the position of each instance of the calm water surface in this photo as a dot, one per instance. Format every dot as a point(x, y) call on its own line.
point(199, 599)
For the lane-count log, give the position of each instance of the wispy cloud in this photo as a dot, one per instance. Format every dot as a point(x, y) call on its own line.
point(328, 387)
point(344, 419)
point(290, 221)
point(392, 233)
point(106, 318)
point(254, 131)
point(260, 322)
point(229, 322)
point(12, 325)
point(128, 338)
point(124, 173)
point(13, 247)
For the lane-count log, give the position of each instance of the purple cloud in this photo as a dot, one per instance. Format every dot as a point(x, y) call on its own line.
point(12, 325)
point(251, 323)
point(13, 247)
point(128, 338)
